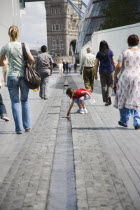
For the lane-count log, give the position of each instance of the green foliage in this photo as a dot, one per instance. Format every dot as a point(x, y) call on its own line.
point(120, 13)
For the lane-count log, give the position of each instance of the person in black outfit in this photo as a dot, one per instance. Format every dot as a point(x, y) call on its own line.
point(64, 65)
point(105, 62)
point(67, 67)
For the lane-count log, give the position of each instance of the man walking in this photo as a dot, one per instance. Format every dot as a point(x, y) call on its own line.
point(89, 69)
point(44, 65)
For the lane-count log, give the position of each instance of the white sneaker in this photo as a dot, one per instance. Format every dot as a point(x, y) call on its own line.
point(85, 111)
point(82, 111)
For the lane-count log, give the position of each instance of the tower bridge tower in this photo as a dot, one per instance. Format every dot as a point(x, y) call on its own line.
point(62, 28)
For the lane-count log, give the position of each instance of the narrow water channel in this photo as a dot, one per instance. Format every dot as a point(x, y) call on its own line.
point(62, 195)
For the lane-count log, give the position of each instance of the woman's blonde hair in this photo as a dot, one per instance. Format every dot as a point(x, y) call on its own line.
point(13, 32)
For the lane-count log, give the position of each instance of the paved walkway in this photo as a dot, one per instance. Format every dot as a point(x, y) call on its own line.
point(85, 163)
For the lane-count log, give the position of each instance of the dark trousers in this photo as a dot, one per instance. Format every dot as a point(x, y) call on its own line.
point(44, 85)
point(106, 85)
point(88, 77)
point(2, 108)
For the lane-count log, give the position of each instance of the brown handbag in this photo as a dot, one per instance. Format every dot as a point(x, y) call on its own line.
point(32, 77)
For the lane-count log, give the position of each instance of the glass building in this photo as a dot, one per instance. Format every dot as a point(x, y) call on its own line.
point(93, 20)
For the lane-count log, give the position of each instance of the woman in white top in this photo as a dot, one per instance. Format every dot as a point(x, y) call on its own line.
point(60, 68)
point(128, 86)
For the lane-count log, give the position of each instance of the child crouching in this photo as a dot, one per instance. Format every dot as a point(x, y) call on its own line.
point(79, 96)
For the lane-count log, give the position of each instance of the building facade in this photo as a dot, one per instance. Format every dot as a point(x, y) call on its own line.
point(9, 15)
point(62, 28)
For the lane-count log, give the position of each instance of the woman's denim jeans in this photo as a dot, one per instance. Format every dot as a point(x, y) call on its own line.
point(125, 115)
point(20, 105)
point(2, 108)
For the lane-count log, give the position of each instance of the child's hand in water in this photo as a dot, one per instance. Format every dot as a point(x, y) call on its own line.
point(92, 101)
point(68, 114)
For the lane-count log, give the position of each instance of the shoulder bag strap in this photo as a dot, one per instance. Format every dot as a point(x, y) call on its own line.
point(25, 56)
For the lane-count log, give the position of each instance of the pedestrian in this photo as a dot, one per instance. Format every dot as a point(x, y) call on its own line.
point(3, 112)
point(79, 96)
point(87, 66)
point(105, 62)
point(75, 67)
point(127, 73)
point(64, 65)
point(67, 68)
point(15, 80)
point(60, 68)
point(44, 65)
point(5, 72)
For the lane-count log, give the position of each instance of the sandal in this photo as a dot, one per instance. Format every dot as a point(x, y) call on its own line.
point(27, 129)
point(5, 118)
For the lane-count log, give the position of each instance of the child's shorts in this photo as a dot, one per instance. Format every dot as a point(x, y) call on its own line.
point(81, 100)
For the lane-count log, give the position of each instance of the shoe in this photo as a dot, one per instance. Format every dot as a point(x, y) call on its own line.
point(27, 129)
point(5, 118)
point(82, 111)
point(137, 127)
point(45, 98)
point(106, 104)
point(109, 101)
point(120, 123)
point(20, 132)
point(85, 111)
point(78, 111)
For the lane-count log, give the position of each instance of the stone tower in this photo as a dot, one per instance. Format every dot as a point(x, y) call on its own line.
point(62, 28)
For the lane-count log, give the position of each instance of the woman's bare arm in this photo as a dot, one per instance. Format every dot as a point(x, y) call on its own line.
point(113, 62)
point(30, 57)
point(97, 66)
point(3, 60)
point(117, 69)
point(86, 93)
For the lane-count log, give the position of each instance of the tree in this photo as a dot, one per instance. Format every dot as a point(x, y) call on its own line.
point(120, 13)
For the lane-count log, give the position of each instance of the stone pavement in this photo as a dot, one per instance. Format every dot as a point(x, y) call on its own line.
point(86, 162)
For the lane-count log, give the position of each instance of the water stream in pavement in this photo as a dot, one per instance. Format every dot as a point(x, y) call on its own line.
point(62, 195)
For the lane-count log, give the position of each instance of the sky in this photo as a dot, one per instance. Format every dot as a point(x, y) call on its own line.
point(33, 25)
